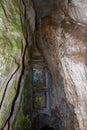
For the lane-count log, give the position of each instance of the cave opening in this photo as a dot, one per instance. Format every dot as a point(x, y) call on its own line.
point(41, 91)
point(47, 127)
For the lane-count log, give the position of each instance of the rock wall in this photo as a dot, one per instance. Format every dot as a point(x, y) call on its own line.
point(15, 43)
point(62, 39)
point(59, 31)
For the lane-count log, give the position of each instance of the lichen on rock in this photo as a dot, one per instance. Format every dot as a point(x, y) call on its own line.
point(11, 54)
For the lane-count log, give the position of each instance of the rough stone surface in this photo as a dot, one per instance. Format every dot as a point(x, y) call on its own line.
point(10, 65)
point(63, 43)
point(15, 41)
point(59, 29)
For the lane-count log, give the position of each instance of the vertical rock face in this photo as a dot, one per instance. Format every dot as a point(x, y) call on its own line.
point(78, 11)
point(14, 43)
point(65, 51)
point(10, 58)
point(62, 110)
point(61, 36)
point(63, 43)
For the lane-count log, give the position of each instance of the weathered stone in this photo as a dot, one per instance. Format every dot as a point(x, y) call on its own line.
point(10, 65)
point(65, 52)
point(60, 35)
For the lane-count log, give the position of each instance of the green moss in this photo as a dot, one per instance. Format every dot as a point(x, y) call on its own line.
point(22, 122)
point(11, 33)
point(11, 43)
